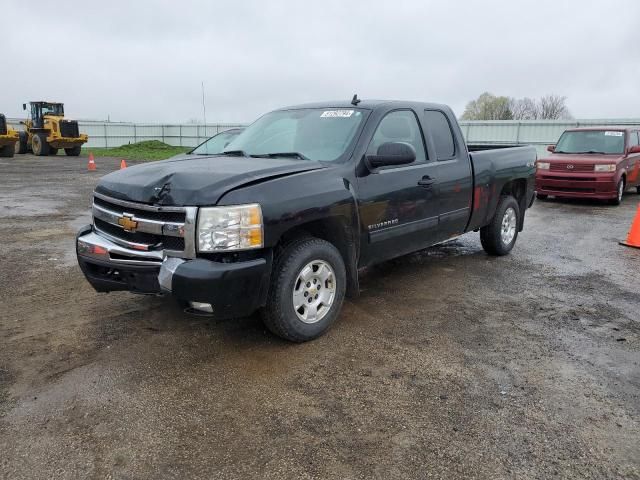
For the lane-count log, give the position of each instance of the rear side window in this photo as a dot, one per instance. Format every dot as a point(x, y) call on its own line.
point(633, 139)
point(440, 130)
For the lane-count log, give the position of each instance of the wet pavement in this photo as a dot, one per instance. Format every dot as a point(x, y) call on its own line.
point(451, 364)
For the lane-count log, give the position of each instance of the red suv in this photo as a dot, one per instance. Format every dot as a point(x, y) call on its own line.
point(599, 162)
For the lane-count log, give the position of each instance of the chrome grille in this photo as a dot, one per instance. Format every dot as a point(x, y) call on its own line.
point(146, 227)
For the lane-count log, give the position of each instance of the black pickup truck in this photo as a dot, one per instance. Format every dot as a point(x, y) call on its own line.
point(302, 199)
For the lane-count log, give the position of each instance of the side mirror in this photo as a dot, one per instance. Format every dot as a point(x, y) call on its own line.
point(22, 122)
point(24, 106)
point(551, 148)
point(392, 153)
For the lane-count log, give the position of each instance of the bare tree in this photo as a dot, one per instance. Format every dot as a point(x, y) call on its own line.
point(553, 107)
point(524, 109)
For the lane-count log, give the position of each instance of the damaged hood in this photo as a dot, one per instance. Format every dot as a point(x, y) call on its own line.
point(198, 181)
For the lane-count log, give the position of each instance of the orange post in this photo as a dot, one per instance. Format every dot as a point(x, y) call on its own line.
point(633, 238)
point(92, 163)
point(123, 164)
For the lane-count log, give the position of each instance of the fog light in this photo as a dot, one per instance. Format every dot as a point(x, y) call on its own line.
point(202, 307)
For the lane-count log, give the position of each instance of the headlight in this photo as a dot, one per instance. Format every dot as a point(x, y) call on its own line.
point(230, 228)
point(607, 167)
point(543, 165)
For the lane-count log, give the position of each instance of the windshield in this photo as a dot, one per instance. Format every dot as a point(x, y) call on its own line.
point(53, 109)
point(216, 143)
point(591, 141)
point(311, 133)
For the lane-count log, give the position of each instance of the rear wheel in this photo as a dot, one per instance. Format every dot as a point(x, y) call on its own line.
point(73, 151)
point(21, 144)
point(619, 193)
point(307, 290)
point(7, 151)
point(39, 144)
point(499, 237)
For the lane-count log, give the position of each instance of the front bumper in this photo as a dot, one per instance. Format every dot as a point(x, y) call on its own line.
point(233, 289)
point(67, 142)
point(578, 185)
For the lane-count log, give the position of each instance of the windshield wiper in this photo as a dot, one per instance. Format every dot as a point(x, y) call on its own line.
point(281, 154)
point(234, 153)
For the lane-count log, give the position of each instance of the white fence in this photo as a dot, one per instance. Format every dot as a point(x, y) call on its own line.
point(526, 132)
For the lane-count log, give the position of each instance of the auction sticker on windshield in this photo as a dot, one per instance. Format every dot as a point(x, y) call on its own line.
point(336, 114)
point(614, 134)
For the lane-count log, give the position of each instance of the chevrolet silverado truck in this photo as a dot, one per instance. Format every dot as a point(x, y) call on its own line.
point(283, 220)
point(595, 162)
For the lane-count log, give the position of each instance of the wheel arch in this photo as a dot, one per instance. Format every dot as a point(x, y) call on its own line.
point(336, 230)
point(517, 188)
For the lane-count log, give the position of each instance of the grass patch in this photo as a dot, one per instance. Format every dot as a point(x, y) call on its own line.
point(149, 150)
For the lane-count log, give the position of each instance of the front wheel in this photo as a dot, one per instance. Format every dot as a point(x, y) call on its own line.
point(39, 144)
point(73, 152)
point(499, 237)
point(7, 151)
point(307, 290)
point(21, 144)
point(542, 196)
point(619, 193)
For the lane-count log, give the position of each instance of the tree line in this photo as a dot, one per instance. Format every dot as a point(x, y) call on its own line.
point(490, 107)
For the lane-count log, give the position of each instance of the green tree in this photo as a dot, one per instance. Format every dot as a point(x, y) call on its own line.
point(488, 107)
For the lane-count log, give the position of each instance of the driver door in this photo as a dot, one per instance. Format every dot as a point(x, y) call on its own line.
point(398, 205)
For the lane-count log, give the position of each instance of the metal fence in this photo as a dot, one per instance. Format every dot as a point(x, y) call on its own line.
point(526, 132)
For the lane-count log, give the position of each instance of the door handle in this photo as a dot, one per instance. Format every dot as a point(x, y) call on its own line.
point(426, 181)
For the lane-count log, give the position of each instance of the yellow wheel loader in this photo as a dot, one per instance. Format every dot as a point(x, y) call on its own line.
point(47, 131)
point(8, 138)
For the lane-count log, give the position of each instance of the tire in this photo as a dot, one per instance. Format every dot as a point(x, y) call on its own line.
point(542, 196)
point(319, 262)
point(620, 189)
point(53, 151)
point(499, 237)
point(39, 145)
point(638, 189)
point(7, 151)
point(21, 144)
point(73, 151)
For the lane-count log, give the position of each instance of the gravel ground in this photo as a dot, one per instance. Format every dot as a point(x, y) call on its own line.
point(451, 364)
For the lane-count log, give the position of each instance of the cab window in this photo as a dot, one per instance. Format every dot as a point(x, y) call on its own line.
point(440, 130)
point(399, 126)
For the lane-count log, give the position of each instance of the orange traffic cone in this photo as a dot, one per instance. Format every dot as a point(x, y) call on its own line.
point(123, 164)
point(633, 238)
point(92, 163)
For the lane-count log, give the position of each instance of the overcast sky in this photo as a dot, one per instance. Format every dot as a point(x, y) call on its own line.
point(145, 60)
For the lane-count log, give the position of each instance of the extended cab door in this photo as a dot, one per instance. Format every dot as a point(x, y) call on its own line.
point(452, 168)
point(398, 205)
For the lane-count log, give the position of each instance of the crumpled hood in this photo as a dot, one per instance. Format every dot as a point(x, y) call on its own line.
point(195, 181)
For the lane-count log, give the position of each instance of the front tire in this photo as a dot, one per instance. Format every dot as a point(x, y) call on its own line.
point(542, 196)
point(619, 193)
point(307, 290)
point(39, 145)
point(21, 144)
point(499, 237)
point(6, 151)
point(73, 152)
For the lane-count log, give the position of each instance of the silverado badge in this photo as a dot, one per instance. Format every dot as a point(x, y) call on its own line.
point(128, 223)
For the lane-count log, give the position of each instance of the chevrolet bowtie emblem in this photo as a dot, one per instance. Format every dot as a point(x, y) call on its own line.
point(128, 223)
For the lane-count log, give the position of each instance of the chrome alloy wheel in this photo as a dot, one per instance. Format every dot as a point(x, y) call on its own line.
point(508, 229)
point(314, 291)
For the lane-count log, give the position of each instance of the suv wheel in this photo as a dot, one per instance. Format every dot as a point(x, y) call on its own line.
point(499, 237)
point(619, 193)
point(307, 290)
